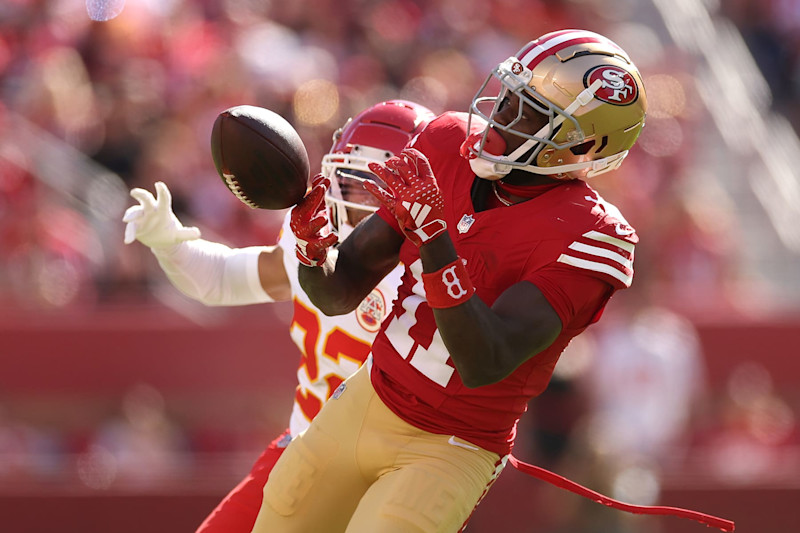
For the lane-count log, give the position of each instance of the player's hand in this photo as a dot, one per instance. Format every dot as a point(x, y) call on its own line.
point(310, 225)
point(413, 196)
point(152, 222)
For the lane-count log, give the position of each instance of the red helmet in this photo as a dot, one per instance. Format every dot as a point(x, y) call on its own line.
point(373, 136)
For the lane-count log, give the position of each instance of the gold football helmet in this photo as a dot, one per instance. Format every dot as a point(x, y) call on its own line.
point(591, 93)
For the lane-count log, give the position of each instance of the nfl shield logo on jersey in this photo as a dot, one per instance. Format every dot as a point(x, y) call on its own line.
point(339, 391)
point(284, 441)
point(465, 223)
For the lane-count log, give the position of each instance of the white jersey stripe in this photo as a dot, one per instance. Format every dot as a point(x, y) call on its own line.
point(626, 279)
point(608, 239)
point(602, 252)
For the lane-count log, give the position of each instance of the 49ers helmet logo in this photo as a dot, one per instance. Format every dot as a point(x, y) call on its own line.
point(618, 86)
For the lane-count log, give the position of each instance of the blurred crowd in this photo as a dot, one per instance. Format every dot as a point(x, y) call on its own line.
point(131, 101)
point(137, 96)
point(771, 30)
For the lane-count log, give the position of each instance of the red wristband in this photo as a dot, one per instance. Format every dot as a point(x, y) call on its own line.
point(448, 286)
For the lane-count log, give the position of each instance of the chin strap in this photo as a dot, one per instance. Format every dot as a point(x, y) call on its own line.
point(564, 483)
point(500, 166)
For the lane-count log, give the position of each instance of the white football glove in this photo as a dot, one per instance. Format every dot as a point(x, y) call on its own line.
point(208, 272)
point(153, 223)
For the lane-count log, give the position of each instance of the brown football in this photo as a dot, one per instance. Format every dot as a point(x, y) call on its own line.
point(260, 157)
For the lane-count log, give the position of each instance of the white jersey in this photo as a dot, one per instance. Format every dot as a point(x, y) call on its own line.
point(333, 347)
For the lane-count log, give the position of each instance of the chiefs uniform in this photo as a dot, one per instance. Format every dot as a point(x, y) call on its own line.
point(332, 348)
point(575, 247)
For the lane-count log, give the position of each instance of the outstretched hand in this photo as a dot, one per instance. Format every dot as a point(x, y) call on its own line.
point(152, 221)
point(310, 224)
point(413, 197)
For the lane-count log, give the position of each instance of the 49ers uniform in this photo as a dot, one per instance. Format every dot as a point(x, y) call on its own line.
point(404, 445)
point(569, 242)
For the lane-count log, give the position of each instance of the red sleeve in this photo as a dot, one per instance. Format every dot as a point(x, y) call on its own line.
point(578, 299)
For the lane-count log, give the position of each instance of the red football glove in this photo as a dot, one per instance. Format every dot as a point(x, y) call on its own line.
point(309, 223)
point(413, 197)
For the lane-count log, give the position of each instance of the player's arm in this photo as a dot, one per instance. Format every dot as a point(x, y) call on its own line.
point(485, 343)
point(337, 283)
point(367, 256)
point(208, 272)
point(272, 274)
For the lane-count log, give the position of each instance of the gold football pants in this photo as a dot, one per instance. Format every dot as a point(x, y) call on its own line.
point(361, 469)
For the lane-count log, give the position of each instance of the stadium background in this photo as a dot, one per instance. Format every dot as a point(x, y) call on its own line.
point(124, 406)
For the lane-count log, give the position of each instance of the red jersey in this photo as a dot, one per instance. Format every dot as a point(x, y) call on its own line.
point(575, 247)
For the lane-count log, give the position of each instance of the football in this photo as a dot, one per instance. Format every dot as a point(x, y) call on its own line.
point(260, 157)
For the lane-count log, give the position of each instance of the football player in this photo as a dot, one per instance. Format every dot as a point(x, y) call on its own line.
point(332, 347)
point(508, 253)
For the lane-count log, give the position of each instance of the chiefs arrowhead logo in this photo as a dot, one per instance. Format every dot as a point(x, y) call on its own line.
point(371, 311)
point(618, 86)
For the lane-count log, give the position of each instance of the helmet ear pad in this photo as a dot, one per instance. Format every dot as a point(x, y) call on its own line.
point(610, 123)
point(599, 139)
